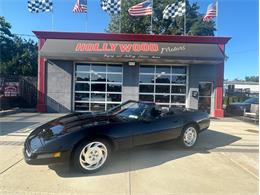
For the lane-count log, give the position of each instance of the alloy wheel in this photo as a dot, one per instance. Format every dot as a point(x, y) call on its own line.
point(93, 155)
point(190, 136)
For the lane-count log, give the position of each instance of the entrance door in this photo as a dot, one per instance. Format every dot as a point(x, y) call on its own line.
point(205, 92)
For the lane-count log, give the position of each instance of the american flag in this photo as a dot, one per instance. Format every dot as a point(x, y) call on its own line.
point(211, 12)
point(141, 9)
point(80, 6)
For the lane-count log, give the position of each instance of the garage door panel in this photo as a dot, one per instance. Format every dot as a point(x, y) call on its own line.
point(164, 85)
point(97, 87)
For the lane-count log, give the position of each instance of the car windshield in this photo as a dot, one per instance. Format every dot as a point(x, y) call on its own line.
point(251, 101)
point(130, 110)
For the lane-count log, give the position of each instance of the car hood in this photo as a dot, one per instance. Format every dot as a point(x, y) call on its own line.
point(70, 123)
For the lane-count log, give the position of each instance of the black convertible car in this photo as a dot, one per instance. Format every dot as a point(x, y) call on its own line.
point(87, 139)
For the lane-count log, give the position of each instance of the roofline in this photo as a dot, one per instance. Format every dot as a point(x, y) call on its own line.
point(130, 37)
point(241, 82)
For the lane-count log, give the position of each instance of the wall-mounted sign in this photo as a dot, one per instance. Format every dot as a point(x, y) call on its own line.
point(11, 89)
point(117, 47)
point(84, 49)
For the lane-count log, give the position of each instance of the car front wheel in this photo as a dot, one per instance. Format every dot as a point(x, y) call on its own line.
point(91, 156)
point(189, 136)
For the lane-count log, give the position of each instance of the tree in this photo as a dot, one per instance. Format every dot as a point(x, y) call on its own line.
point(142, 24)
point(18, 56)
point(6, 40)
point(252, 78)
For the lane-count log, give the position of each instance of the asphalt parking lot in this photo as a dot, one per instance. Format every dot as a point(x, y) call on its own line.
point(224, 161)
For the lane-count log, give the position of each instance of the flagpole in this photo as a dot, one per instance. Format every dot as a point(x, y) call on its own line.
point(120, 16)
point(217, 17)
point(184, 31)
point(184, 22)
point(152, 18)
point(52, 26)
point(86, 23)
point(120, 23)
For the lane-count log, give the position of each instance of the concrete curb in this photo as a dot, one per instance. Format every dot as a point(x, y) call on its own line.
point(9, 112)
point(16, 110)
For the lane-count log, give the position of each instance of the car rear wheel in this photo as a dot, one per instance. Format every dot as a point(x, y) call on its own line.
point(91, 156)
point(189, 136)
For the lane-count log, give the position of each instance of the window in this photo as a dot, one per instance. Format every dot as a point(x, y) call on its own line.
point(164, 85)
point(146, 88)
point(98, 87)
point(82, 86)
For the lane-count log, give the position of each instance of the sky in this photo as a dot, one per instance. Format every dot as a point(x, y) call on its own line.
point(237, 19)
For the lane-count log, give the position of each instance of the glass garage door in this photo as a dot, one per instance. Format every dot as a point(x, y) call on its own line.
point(164, 85)
point(98, 87)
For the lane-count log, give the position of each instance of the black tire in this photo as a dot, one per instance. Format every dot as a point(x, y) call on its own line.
point(182, 140)
point(78, 164)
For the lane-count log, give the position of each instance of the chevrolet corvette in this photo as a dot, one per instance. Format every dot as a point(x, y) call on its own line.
point(87, 140)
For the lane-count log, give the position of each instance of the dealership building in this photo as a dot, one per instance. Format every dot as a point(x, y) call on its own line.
point(80, 72)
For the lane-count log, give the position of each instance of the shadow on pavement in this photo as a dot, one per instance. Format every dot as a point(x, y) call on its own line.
point(152, 155)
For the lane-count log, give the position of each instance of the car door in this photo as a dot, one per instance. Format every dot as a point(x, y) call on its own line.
point(156, 129)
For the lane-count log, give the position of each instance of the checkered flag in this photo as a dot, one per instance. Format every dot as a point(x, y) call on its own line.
point(36, 6)
point(175, 9)
point(112, 7)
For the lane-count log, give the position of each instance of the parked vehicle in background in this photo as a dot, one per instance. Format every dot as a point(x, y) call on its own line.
point(253, 113)
point(238, 108)
point(87, 139)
